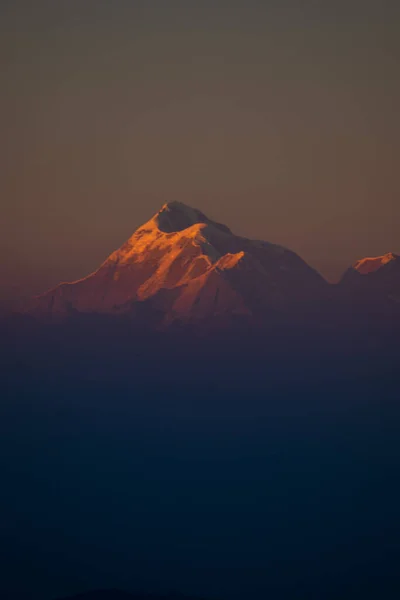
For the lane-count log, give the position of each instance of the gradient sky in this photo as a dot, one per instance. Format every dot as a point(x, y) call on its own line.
point(279, 118)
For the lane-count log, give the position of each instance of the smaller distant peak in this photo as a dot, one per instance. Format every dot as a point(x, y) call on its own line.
point(368, 265)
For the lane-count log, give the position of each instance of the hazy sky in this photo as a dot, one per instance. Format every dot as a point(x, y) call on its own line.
point(279, 118)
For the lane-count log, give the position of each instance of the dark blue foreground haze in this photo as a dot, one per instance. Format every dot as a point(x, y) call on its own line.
point(233, 467)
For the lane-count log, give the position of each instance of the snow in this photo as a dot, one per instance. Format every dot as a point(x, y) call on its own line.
point(203, 262)
point(369, 265)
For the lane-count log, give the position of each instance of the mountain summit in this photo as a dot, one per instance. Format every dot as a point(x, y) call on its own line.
point(373, 284)
point(182, 266)
point(366, 266)
point(372, 271)
point(176, 216)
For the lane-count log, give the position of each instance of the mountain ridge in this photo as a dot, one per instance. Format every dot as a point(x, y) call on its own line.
point(183, 264)
point(181, 267)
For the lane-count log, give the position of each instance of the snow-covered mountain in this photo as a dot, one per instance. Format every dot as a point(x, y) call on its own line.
point(185, 267)
point(366, 266)
point(374, 282)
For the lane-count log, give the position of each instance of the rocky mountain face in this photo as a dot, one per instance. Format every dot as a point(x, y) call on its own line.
point(182, 267)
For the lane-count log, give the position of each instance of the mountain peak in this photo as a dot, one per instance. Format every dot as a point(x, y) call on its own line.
point(369, 265)
point(181, 265)
point(177, 216)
